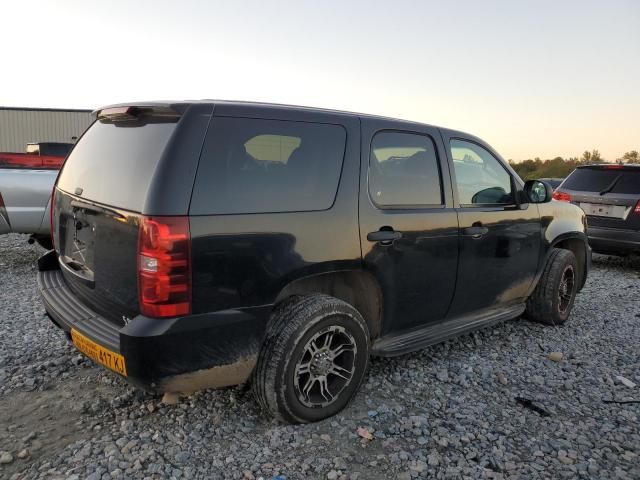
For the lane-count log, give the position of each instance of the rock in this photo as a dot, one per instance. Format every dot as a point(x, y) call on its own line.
point(502, 378)
point(171, 398)
point(5, 457)
point(556, 356)
point(363, 432)
point(22, 454)
point(433, 459)
point(625, 381)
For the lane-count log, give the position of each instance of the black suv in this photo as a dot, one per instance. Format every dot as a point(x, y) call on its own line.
point(212, 243)
point(610, 196)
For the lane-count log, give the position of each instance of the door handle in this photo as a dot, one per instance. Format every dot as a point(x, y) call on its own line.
point(384, 236)
point(475, 231)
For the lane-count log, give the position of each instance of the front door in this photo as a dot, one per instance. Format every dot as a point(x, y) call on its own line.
point(499, 239)
point(408, 226)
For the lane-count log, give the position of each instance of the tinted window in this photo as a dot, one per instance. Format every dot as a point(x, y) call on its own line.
point(590, 179)
point(258, 166)
point(113, 163)
point(59, 149)
point(403, 170)
point(480, 177)
point(629, 182)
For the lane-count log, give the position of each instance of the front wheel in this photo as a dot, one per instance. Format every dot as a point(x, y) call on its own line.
point(313, 359)
point(552, 300)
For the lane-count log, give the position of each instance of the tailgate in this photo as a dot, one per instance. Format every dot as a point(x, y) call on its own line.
point(99, 199)
point(97, 249)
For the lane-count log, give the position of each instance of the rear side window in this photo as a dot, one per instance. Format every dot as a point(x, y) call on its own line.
point(590, 179)
point(268, 166)
point(113, 162)
point(404, 171)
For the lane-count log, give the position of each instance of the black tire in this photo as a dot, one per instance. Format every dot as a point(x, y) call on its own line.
point(550, 303)
point(293, 329)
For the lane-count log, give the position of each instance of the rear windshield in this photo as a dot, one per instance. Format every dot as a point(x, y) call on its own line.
point(629, 182)
point(113, 162)
point(597, 180)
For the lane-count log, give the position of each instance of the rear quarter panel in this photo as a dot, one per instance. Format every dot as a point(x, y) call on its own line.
point(245, 260)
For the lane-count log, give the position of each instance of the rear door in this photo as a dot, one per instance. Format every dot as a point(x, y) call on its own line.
point(607, 194)
point(106, 184)
point(499, 241)
point(408, 227)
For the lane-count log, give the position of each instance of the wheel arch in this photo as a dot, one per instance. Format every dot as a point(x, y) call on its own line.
point(358, 288)
point(578, 244)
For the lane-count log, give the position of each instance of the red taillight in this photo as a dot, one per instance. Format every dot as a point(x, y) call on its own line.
point(637, 209)
point(52, 201)
point(561, 196)
point(30, 161)
point(164, 266)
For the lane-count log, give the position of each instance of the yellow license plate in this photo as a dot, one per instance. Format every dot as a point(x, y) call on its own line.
point(103, 356)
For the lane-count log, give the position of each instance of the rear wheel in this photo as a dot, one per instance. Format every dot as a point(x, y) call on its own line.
point(313, 360)
point(552, 300)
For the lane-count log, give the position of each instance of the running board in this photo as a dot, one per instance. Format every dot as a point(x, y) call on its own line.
point(417, 338)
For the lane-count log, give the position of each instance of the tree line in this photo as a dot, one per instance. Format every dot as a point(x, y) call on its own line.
point(559, 167)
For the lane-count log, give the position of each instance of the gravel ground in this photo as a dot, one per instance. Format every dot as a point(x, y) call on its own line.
point(448, 411)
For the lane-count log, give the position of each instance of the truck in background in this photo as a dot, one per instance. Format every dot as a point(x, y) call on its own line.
point(26, 181)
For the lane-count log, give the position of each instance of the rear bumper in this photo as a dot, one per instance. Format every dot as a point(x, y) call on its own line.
point(614, 239)
point(181, 354)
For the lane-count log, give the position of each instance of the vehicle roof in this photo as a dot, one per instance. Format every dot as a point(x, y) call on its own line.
point(611, 166)
point(182, 104)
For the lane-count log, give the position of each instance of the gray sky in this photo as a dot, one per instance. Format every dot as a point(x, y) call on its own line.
point(534, 78)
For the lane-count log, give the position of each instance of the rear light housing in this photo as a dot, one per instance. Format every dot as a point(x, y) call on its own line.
point(561, 196)
point(164, 266)
point(636, 210)
point(31, 161)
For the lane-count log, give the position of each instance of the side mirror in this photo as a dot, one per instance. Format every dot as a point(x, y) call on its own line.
point(538, 191)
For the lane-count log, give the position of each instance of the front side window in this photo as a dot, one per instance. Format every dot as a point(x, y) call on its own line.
point(403, 171)
point(480, 177)
point(267, 166)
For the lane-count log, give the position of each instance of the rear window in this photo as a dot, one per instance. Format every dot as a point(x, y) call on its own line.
point(629, 183)
point(590, 179)
point(261, 166)
point(113, 162)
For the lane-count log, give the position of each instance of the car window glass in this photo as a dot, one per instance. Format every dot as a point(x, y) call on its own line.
point(628, 183)
point(480, 177)
point(590, 179)
point(114, 164)
point(403, 170)
point(259, 166)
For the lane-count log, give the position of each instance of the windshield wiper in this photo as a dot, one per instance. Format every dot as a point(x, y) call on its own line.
point(611, 185)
